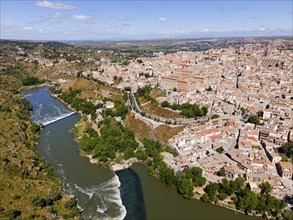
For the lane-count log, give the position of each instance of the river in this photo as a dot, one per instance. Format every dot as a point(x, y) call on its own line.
point(102, 194)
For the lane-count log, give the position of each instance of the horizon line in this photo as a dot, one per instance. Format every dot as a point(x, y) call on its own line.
point(153, 39)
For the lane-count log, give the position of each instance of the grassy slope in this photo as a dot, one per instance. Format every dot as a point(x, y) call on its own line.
point(91, 90)
point(160, 112)
point(142, 131)
point(165, 132)
point(24, 175)
point(156, 93)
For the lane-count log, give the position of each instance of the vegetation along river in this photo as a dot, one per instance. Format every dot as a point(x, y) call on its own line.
point(102, 194)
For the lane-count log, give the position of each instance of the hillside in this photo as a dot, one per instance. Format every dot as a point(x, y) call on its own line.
point(27, 186)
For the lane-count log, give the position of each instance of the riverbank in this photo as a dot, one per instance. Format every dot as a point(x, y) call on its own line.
point(165, 203)
point(29, 188)
point(24, 88)
point(112, 165)
point(92, 186)
point(156, 167)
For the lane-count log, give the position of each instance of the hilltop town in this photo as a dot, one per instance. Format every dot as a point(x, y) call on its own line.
point(227, 110)
point(248, 94)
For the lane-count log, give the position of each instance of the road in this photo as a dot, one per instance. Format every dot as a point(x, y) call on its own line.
point(134, 103)
point(178, 121)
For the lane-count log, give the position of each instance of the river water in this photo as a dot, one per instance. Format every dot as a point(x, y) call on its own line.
point(102, 194)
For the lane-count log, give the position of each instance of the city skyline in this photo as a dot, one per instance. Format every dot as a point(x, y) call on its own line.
point(143, 20)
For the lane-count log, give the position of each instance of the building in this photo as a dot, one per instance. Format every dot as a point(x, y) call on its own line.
point(109, 105)
point(183, 81)
point(285, 169)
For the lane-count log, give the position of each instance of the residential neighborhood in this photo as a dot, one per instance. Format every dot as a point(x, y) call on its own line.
point(235, 84)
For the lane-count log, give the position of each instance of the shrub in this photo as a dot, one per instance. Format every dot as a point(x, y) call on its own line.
point(70, 203)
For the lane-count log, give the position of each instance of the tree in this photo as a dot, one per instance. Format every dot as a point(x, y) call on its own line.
point(79, 74)
point(39, 202)
point(212, 190)
point(13, 214)
point(260, 114)
point(128, 153)
point(127, 88)
point(215, 116)
point(205, 198)
point(287, 149)
point(262, 203)
point(247, 200)
point(167, 175)
point(143, 91)
point(287, 214)
point(209, 89)
point(205, 110)
point(141, 155)
point(254, 119)
point(30, 80)
point(227, 187)
point(239, 183)
point(185, 188)
point(221, 172)
point(220, 150)
point(125, 97)
point(70, 203)
point(222, 196)
point(266, 188)
point(195, 173)
point(165, 104)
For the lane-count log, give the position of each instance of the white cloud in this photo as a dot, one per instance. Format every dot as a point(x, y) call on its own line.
point(122, 18)
point(262, 29)
point(162, 19)
point(28, 28)
point(80, 17)
point(52, 17)
point(13, 31)
point(205, 30)
point(60, 6)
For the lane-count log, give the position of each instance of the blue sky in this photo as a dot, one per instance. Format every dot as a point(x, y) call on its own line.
point(126, 20)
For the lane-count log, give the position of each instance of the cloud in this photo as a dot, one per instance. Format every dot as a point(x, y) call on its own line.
point(205, 30)
point(80, 17)
point(162, 19)
point(58, 6)
point(122, 18)
point(52, 17)
point(254, 18)
point(10, 30)
point(262, 29)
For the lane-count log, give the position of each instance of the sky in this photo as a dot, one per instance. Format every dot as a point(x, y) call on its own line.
point(142, 20)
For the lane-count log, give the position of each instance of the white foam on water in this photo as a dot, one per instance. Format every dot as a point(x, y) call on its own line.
point(55, 119)
point(109, 194)
point(86, 191)
point(50, 120)
point(28, 95)
point(101, 209)
point(38, 112)
point(58, 109)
